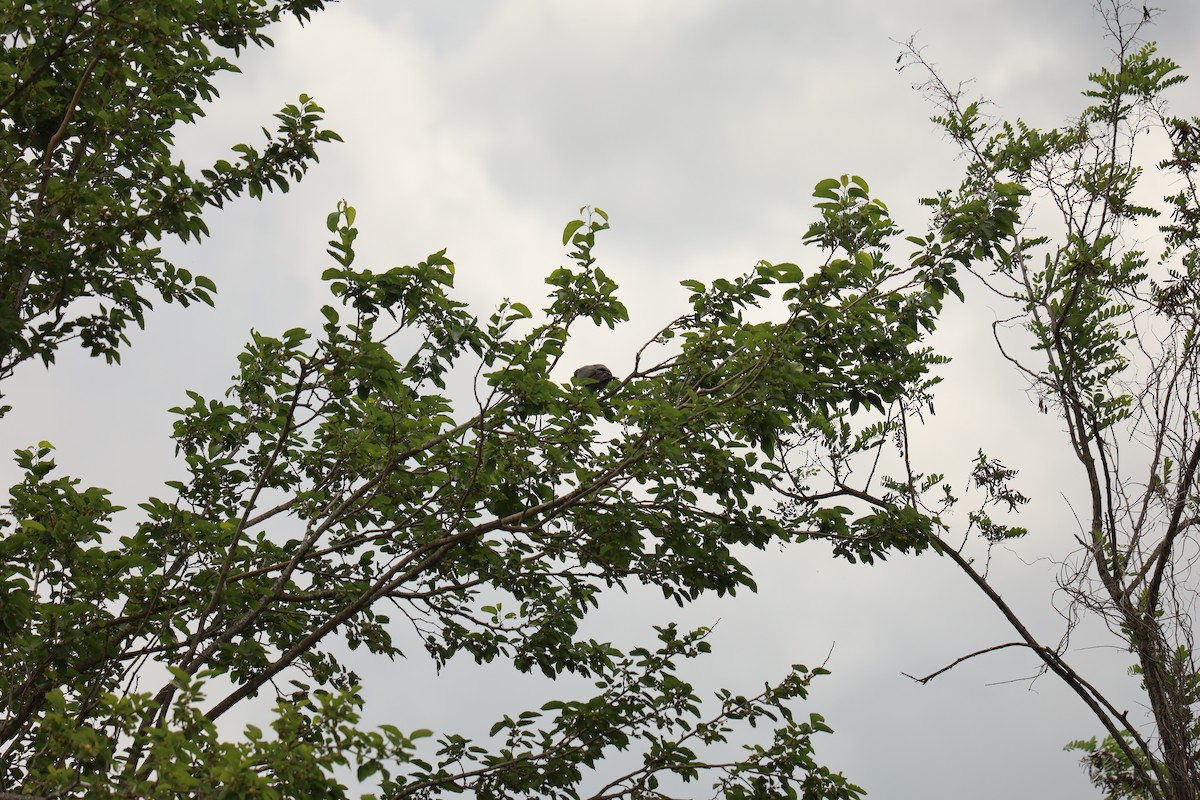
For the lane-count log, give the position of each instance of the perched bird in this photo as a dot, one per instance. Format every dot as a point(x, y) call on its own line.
point(593, 376)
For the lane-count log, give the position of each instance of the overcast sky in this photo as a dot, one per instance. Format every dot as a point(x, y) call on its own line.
point(701, 126)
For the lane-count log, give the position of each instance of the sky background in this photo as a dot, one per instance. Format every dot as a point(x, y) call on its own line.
point(701, 127)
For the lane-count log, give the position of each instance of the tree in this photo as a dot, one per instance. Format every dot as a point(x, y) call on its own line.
point(1106, 336)
point(340, 479)
point(90, 93)
point(336, 479)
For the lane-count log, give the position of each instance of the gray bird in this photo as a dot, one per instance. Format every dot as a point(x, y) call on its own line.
point(594, 376)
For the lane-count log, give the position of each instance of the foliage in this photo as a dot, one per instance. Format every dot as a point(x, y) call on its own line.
point(1110, 769)
point(338, 478)
point(1106, 336)
point(412, 457)
point(90, 93)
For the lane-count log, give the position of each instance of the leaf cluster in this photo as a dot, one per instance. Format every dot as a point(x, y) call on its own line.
point(338, 489)
point(91, 94)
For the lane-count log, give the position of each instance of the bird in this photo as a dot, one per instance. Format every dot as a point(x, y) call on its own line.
point(594, 376)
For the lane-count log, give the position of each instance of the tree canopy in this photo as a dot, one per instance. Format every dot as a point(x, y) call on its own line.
point(91, 93)
point(340, 493)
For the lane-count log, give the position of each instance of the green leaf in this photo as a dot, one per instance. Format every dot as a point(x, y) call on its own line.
point(828, 189)
point(569, 231)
